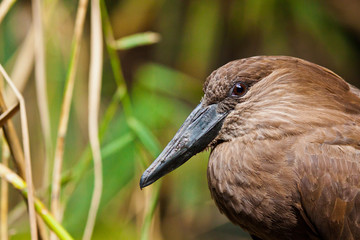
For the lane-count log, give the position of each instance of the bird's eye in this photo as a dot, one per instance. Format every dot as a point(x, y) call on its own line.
point(239, 89)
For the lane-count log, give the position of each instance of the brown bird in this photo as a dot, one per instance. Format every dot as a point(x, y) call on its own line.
point(284, 136)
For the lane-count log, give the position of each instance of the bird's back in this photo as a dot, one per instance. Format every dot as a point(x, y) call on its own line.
point(303, 187)
point(328, 169)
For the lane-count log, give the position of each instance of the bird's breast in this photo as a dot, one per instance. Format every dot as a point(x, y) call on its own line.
point(254, 185)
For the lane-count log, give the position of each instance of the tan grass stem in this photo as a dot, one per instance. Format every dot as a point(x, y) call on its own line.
point(26, 145)
point(40, 76)
point(65, 111)
point(22, 67)
point(95, 77)
point(4, 195)
point(5, 6)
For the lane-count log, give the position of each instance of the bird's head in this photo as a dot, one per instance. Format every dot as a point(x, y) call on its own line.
point(256, 98)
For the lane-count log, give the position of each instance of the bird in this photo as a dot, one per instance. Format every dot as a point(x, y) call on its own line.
point(284, 141)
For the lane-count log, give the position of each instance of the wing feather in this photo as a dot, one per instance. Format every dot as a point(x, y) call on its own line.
point(329, 185)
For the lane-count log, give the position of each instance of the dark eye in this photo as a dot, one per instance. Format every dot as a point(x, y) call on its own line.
point(239, 89)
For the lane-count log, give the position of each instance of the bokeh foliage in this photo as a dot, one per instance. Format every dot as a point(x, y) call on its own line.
point(164, 83)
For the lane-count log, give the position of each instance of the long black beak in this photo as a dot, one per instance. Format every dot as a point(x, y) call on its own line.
point(198, 130)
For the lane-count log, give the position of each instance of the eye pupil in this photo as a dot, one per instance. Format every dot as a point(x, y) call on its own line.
point(239, 89)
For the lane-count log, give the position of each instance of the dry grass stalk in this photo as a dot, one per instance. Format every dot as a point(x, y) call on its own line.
point(94, 104)
point(22, 67)
point(15, 148)
point(65, 111)
point(26, 144)
point(40, 78)
point(4, 194)
point(5, 6)
point(4, 117)
point(13, 141)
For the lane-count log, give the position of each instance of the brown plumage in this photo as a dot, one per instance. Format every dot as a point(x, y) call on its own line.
point(285, 156)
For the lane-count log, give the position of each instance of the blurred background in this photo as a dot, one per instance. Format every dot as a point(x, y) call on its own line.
point(163, 84)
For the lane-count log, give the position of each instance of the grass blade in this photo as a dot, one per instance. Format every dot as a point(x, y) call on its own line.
point(145, 136)
point(19, 184)
point(137, 40)
point(121, 93)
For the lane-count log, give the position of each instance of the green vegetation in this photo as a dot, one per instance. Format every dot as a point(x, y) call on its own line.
point(156, 55)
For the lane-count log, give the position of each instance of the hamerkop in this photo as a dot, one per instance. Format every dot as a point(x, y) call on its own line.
point(284, 136)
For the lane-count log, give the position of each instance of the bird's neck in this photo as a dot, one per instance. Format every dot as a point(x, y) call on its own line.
point(287, 117)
